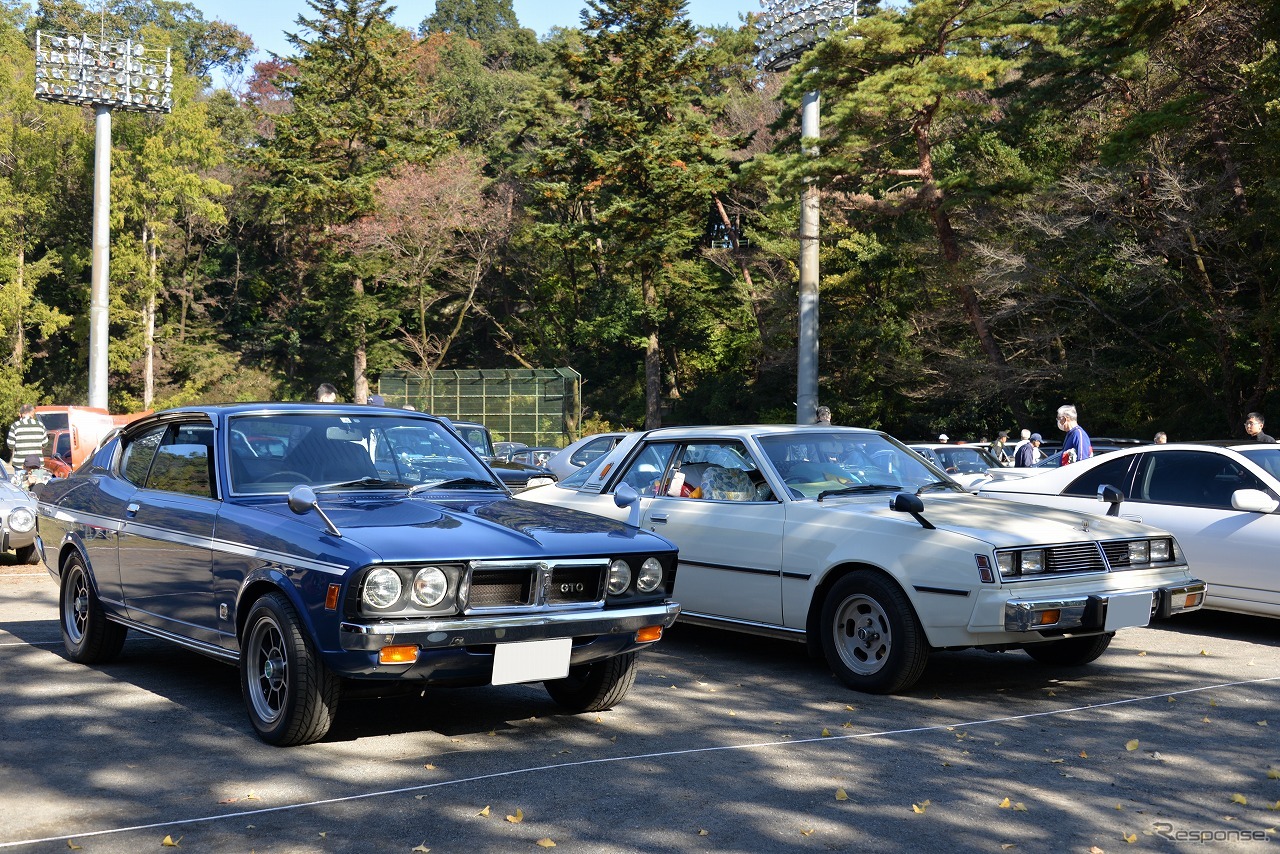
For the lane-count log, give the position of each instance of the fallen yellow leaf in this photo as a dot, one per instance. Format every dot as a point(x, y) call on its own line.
point(1130, 838)
point(1131, 745)
point(1273, 773)
point(1262, 723)
point(1275, 807)
point(1119, 806)
point(1056, 761)
point(545, 843)
point(484, 812)
point(1020, 807)
point(323, 834)
point(806, 833)
point(251, 797)
point(517, 818)
point(920, 807)
point(1005, 804)
point(1213, 702)
point(72, 845)
point(1173, 699)
point(841, 795)
point(826, 733)
point(1202, 652)
point(429, 767)
point(1240, 799)
point(1084, 755)
point(421, 849)
point(1144, 652)
point(170, 842)
point(1005, 846)
point(703, 833)
point(1096, 850)
point(1204, 720)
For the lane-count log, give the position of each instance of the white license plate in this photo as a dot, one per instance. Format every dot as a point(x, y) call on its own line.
point(1127, 610)
point(531, 661)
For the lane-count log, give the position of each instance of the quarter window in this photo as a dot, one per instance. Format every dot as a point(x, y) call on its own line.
point(138, 455)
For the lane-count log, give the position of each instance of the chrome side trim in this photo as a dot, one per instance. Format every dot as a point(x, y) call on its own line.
point(194, 645)
point(751, 627)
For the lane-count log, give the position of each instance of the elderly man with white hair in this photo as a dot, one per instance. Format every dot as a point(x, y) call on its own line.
point(1075, 445)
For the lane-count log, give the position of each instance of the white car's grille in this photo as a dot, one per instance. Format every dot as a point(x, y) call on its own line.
point(1076, 557)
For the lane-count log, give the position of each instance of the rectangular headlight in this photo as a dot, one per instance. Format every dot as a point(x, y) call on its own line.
point(1139, 552)
point(1007, 565)
point(1033, 561)
point(1161, 550)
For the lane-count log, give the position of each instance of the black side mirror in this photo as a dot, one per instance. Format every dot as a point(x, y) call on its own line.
point(904, 502)
point(1111, 495)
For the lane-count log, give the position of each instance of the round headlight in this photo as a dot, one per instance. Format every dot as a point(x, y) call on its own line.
point(650, 575)
point(429, 586)
point(619, 576)
point(382, 588)
point(22, 519)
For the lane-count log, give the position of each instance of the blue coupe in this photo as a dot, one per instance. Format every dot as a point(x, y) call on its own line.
point(314, 543)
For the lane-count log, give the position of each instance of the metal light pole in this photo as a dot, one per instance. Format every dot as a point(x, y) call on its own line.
point(787, 29)
point(105, 74)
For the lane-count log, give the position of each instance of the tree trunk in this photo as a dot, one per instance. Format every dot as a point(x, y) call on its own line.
point(652, 359)
point(361, 353)
point(19, 334)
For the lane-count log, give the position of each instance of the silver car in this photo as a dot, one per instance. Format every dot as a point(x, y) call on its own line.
point(17, 519)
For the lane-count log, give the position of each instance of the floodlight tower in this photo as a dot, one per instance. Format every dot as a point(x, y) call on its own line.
point(105, 74)
point(788, 28)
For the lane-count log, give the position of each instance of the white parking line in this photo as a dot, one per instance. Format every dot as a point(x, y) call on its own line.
point(632, 758)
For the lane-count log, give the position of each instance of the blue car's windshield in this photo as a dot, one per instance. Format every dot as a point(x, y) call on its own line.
point(272, 453)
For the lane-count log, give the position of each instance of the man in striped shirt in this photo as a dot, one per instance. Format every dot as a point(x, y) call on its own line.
point(27, 435)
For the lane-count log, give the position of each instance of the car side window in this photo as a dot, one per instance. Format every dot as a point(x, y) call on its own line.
point(1114, 472)
point(592, 450)
point(1193, 477)
point(645, 473)
point(715, 471)
point(138, 454)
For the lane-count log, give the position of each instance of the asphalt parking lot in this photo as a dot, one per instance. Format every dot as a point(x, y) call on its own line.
point(726, 743)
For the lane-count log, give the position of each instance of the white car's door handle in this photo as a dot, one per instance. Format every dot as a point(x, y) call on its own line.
point(658, 518)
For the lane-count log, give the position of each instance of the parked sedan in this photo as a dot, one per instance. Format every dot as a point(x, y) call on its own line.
point(17, 518)
point(377, 547)
point(847, 540)
point(577, 454)
point(1220, 502)
point(970, 465)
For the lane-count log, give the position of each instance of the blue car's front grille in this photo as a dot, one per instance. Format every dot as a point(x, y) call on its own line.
point(534, 585)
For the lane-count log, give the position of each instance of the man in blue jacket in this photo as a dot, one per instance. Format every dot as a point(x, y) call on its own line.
point(1075, 445)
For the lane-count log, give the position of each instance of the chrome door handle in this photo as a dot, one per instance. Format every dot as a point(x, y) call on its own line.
point(659, 518)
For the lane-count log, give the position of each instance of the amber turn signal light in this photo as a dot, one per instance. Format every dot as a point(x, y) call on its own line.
point(331, 597)
point(1048, 618)
point(649, 633)
point(398, 654)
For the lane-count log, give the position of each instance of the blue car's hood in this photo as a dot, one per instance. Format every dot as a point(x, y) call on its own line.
point(400, 528)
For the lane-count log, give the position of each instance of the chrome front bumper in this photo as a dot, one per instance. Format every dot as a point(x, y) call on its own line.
point(1089, 613)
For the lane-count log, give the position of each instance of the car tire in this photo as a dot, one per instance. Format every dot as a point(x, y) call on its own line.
point(26, 554)
point(289, 693)
point(596, 686)
point(1070, 652)
point(871, 636)
point(87, 634)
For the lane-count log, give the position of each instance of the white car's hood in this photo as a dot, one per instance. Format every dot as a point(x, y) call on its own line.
point(1007, 524)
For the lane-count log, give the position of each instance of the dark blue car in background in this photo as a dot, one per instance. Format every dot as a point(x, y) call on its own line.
point(312, 544)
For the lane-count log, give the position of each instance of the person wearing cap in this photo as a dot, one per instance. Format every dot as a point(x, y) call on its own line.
point(999, 448)
point(1026, 455)
point(942, 437)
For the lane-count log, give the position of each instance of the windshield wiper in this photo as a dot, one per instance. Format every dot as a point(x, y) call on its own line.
point(453, 483)
point(936, 484)
point(375, 482)
point(859, 487)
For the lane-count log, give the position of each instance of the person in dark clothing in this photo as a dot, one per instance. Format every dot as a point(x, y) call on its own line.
point(1026, 455)
point(1253, 425)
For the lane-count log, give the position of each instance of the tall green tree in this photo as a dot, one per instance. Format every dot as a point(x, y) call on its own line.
point(357, 110)
point(628, 183)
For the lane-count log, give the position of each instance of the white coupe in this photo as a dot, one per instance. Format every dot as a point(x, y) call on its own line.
point(845, 539)
point(1221, 502)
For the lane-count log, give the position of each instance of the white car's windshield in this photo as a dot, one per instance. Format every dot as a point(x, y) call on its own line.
point(273, 453)
point(812, 464)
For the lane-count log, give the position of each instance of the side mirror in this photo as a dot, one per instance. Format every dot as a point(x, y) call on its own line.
point(626, 496)
point(1253, 501)
point(1111, 495)
point(904, 502)
point(302, 500)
